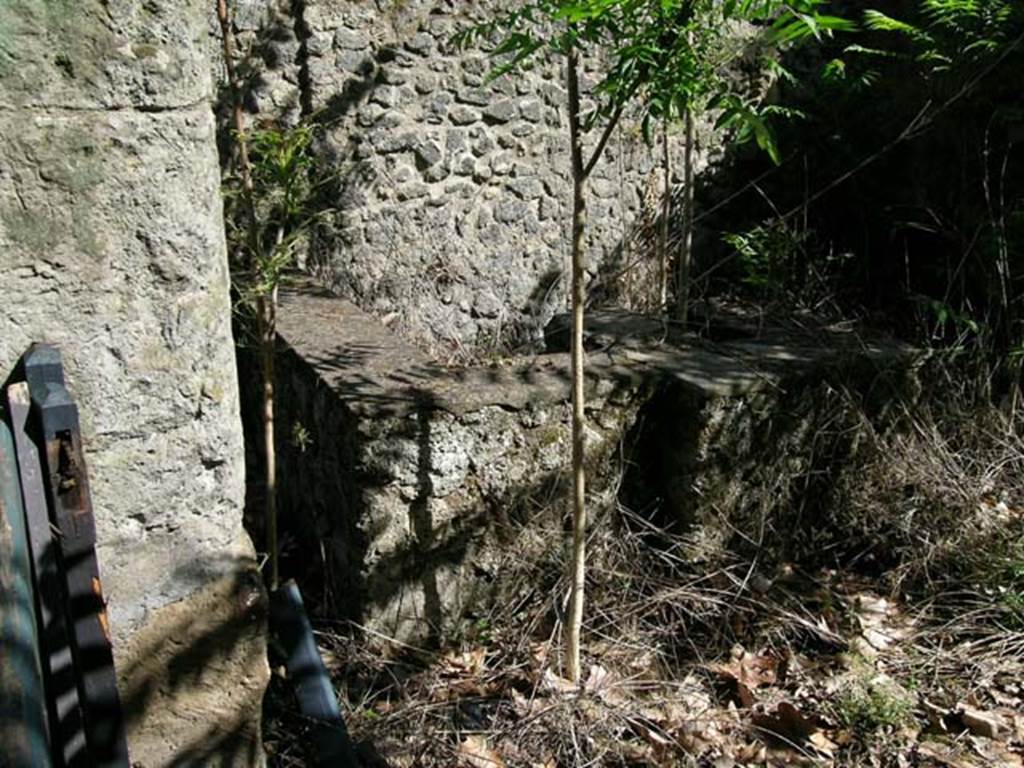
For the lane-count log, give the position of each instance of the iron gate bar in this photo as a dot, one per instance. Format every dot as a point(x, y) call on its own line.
point(54, 650)
point(23, 742)
point(67, 487)
point(64, 715)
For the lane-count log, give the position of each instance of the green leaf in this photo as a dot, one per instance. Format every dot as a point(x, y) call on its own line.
point(645, 129)
point(879, 21)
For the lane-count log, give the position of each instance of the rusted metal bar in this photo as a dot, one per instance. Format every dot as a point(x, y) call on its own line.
point(64, 715)
point(67, 492)
point(23, 739)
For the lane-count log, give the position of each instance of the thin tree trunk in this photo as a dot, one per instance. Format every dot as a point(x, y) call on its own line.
point(266, 305)
point(579, 512)
point(237, 115)
point(666, 211)
point(267, 309)
point(683, 287)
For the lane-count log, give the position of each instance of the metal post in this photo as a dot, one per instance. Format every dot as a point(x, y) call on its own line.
point(23, 741)
point(307, 673)
point(64, 716)
point(67, 491)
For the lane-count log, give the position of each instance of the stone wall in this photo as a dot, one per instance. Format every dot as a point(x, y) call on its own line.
point(112, 247)
point(402, 480)
point(455, 217)
point(450, 202)
point(406, 484)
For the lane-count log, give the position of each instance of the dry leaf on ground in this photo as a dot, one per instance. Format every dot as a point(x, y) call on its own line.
point(475, 752)
point(748, 671)
point(787, 725)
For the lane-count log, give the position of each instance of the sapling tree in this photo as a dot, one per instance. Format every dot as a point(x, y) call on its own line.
point(267, 212)
point(691, 49)
point(646, 49)
point(569, 30)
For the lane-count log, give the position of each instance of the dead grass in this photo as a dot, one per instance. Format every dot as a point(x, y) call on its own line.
point(910, 657)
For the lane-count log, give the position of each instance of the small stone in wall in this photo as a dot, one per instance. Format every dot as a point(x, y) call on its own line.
point(406, 61)
point(553, 238)
point(426, 82)
point(387, 142)
point(495, 233)
point(455, 140)
point(502, 112)
point(460, 114)
point(318, 44)
point(428, 153)
point(436, 173)
point(390, 120)
point(510, 211)
point(403, 173)
point(369, 115)
point(531, 109)
point(502, 163)
point(437, 109)
point(527, 188)
point(504, 86)
point(483, 145)
point(386, 96)
point(482, 171)
point(554, 95)
point(460, 189)
point(548, 208)
point(355, 62)
point(464, 165)
point(412, 190)
point(604, 188)
point(394, 76)
point(522, 129)
point(420, 43)
point(351, 39)
point(477, 65)
point(475, 96)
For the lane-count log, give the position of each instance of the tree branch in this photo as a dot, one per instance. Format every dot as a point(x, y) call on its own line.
point(607, 134)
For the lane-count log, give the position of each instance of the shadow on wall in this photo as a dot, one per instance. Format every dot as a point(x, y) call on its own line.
point(765, 475)
point(422, 524)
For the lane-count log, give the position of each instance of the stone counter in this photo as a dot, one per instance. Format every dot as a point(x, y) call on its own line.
point(403, 479)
